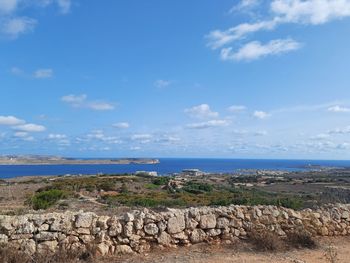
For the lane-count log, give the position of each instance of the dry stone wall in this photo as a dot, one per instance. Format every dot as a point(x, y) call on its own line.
point(140, 230)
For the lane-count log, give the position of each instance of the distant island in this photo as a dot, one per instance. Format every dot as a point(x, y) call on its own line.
point(57, 160)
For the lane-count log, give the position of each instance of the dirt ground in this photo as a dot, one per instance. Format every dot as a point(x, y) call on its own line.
point(243, 253)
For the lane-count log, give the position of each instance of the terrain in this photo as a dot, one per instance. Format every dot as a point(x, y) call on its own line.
point(110, 193)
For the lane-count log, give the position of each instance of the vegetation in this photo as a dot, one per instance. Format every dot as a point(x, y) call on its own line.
point(301, 239)
point(11, 255)
point(45, 199)
point(265, 240)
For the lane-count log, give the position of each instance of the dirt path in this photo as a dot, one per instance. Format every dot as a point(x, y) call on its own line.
point(244, 254)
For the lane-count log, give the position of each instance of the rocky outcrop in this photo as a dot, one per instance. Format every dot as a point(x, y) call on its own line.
point(139, 230)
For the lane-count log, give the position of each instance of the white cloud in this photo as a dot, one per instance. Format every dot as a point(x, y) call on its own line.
point(209, 124)
point(30, 127)
point(17, 71)
point(261, 115)
point(255, 50)
point(20, 134)
point(16, 26)
point(43, 73)
point(321, 136)
point(310, 12)
point(202, 111)
point(237, 108)
point(121, 125)
point(144, 136)
point(260, 133)
point(338, 109)
point(100, 106)
point(12, 24)
point(8, 6)
point(10, 121)
point(218, 38)
point(313, 12)
point(74, 99)
point(54, 136)
point(64, 5)
point(345, 130)
point(161, 83)
point(245, 4)
point(80, 101)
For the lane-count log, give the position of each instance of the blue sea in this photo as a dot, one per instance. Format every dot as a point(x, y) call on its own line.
point(168, 166)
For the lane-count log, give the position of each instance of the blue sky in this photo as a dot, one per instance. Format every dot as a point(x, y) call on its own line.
point(199, 78)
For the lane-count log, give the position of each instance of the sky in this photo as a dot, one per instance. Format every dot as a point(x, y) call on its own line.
point(160, 78)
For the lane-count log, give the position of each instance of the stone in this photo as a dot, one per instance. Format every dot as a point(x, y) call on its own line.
point(128, 217)
point(161, 225)
point(222, 222)
point(191, 223)
point(345, 215)
point(181, 236)
point(47, 246)
point(151, 229)
point(176, 224)
point(138, 223)
point(84, 220)
point(213, 232)
point(123, 249)
point(3, 239)
point(28, 246)
point(83, 231)
point(164, 239)
point(46, 236)
point(102, 222)
point(102, 249)
point(197, 236)
point(128, 229)
point(25, 228)
point(115, 229)
point(207, 221)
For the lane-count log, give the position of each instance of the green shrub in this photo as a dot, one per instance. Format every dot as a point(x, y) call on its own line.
point(151, 186)
point(197, 188)
point(161, 180)
point(45, 199)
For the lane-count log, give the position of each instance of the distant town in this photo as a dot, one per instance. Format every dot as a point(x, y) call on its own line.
point(57, 160)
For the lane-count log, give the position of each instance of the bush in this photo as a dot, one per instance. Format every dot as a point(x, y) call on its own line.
point(11, 255)
point(45, 199)
point(197, 188)
point(266, 240)
point(301, 239)
point(151, 186)
point(161, 180)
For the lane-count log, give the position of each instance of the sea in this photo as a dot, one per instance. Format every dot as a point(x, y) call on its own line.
point(169, 166)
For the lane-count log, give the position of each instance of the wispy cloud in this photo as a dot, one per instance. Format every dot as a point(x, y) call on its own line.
point(29, 127)
point(261, 115)
point(161, 83)
point(80, 101)
point(43, 73)
point(208, 124)
point(201, 111)
point(14, 27)
point(236, 108)
point(338, 108)
point(121, 125)
point(310, 12)
point(10, 121)
point(255, 50)
point(12, 24)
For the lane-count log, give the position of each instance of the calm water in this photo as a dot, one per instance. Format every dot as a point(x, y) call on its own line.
point(166, 166)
